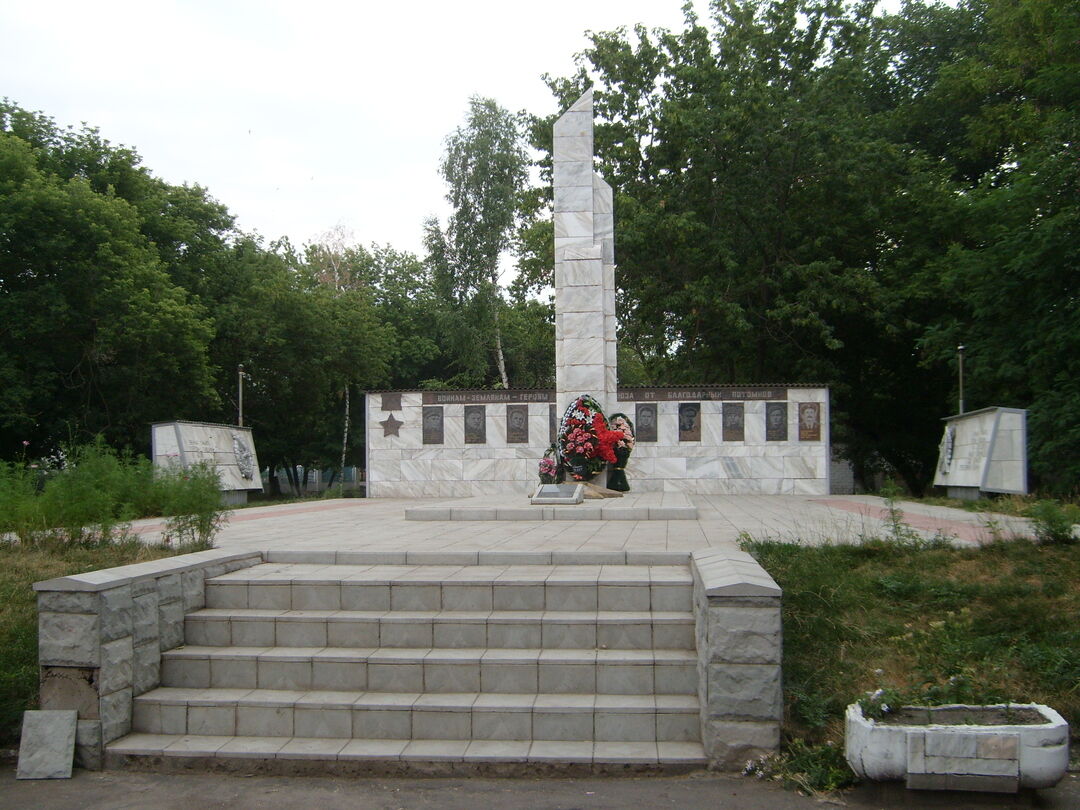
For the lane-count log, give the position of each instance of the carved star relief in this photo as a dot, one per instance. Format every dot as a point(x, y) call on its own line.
point(390, 426)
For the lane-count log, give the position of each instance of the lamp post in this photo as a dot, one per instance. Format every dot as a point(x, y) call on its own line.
point(240, 394)
point(960, 368)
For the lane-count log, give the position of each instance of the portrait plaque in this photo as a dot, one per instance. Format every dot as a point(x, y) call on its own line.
point(553, 424)
point(433, 424)
point(475, 424)
point(776, 421)
point(391, 402)
point(733, 414)
point(689, 421)
point(645, 422)
point(517, 424)
point(809, 421)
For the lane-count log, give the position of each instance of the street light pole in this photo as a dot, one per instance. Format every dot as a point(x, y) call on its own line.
point(240, 395)
point(960, 367)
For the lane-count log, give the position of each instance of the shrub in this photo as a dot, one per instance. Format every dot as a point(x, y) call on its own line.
point(1054, 522)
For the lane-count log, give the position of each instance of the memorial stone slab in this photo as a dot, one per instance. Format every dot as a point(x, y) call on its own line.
point(475, 424)
point(432, 424)
point(645, 422)
point(391, 401)
point(555, 494)
point(776, 421)
point(689, 421)
point(47, 745)
point(734, 424)
point(517, 424)
point(809, 421)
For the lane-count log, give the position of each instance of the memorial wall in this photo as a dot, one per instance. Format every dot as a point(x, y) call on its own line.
point(760, 440)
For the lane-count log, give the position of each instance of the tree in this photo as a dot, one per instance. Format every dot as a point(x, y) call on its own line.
point(485, 168)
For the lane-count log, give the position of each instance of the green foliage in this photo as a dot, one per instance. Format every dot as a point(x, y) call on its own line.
point(807, 767)
point(89, 500)
point(924, 624)
point(1055, 523)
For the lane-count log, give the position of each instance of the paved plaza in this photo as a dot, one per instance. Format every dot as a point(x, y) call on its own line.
point(382, 524)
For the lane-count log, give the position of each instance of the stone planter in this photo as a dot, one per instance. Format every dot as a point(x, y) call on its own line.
point(951, 748)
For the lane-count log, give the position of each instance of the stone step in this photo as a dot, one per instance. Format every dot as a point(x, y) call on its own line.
point(392, 715)
point(388, 669)
point(247, 627)
point(159, 750)
point(300, 586)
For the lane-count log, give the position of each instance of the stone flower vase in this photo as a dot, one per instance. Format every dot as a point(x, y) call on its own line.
point(994, 748)
point(617, 471)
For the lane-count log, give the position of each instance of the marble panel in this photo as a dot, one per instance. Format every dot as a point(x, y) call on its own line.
point(447, 469)
point(602, 198)
point(572, 249)
point(582, 378)
point(581, 325)
point(735, 467)
point(669, 467)
point(415, 471)
point(573, 198)
point(582, 273)
point(47, 744)
point(766, 467)
point(573, 123)
point(754, 423)
point(571, 149)
point(703, 467)
point(810, 486)
point(579, 299)
point(583, 351)
point(572, 173)
point(574, 224)
point(798, 467)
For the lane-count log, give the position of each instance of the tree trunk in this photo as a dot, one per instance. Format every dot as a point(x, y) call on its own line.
point(499, 352)
point(344, 442)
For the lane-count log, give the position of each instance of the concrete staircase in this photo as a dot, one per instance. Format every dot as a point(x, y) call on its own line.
point(406, 666)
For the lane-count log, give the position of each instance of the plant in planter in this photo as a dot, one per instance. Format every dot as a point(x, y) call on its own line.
point(621, 423)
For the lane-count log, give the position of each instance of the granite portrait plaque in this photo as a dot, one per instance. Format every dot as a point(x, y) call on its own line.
point(553, 424)
point(391, 402)
point(689, 421)
point(433, 424)
point(809, 421)
point(517, 424)
point(475, 424)
point(776, 421)
point(734, 414)
point(645, 422)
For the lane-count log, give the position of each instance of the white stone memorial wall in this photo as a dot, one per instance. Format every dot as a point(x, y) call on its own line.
point(402, 466)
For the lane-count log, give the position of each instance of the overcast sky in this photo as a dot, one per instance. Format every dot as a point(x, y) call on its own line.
point(299, 116)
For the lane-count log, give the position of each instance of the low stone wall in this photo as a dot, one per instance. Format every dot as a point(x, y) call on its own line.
point(739, 643)
point(101, 635)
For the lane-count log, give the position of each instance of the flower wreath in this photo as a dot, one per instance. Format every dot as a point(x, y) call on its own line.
point(584, 442)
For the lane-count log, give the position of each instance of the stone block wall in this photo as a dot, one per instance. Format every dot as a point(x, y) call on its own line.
point(101, 635)
point(739, 644)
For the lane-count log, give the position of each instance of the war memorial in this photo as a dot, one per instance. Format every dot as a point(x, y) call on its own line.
point(404, 656)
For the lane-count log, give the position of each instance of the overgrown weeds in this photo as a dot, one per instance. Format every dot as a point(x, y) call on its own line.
point(89, 496)
point(924, 623)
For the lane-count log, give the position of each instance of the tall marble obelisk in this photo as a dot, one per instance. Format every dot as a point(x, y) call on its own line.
point(585, 359)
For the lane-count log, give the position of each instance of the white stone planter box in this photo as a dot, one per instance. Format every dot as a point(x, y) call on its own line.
point(954, 756)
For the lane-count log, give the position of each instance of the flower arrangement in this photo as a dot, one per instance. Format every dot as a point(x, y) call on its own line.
point(549, 468)
point(620, 423)
point(585, 442)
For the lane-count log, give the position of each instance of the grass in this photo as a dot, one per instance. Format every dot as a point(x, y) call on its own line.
point(928, 622)
point(20, 567)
